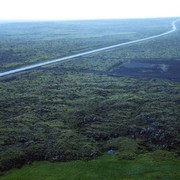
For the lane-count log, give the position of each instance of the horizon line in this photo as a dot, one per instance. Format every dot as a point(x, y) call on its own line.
point(85, 19)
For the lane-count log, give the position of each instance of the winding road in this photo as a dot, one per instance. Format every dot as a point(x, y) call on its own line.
point(6, 73)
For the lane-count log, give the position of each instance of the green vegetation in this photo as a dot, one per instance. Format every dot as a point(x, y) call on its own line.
point(27, 43)
point(79, 109)
point(105, 167)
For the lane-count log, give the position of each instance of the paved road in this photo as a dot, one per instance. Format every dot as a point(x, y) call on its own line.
point(88, 52)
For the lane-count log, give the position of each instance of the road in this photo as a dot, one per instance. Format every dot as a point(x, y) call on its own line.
point(6, 73)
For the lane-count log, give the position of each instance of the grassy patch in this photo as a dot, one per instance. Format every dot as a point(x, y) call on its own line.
point(105, 167)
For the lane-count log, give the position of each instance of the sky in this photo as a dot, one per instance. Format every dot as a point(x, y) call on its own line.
point(87, 9)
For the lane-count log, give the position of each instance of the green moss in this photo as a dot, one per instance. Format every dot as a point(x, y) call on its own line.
point(105, 167)
point(75, 108)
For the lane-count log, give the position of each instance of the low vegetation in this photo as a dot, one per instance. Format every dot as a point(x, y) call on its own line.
point(79, 109)
point(105, 167)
